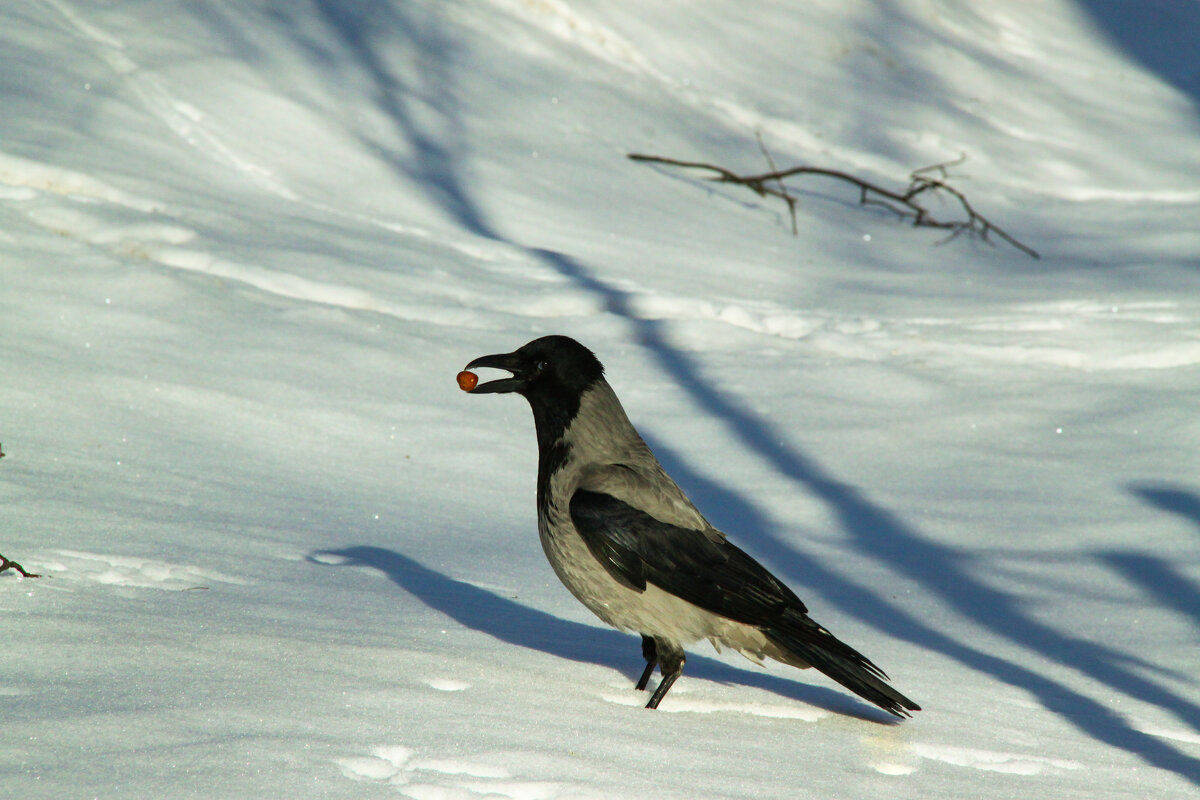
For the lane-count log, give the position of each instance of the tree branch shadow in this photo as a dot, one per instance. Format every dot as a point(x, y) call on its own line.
point(1156, 576)
point(1161, 36)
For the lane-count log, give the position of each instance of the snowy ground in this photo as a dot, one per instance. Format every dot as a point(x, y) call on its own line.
point(246, 246)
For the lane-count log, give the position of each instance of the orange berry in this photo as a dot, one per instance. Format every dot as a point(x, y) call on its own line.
point(467, 380)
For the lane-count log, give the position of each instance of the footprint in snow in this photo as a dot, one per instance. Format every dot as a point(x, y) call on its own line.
point(432, 778)
point(133, 571)
point(888, 756)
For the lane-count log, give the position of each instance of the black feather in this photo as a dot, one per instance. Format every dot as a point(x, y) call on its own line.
point(704, 569)
point(841, 662)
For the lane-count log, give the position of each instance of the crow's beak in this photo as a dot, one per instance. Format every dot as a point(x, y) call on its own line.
point(510, 362)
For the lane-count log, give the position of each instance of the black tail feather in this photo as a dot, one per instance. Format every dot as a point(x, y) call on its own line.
point(808, 641)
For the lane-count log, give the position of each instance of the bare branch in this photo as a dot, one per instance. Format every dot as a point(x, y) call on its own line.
point(7, 564)
point(905, 203)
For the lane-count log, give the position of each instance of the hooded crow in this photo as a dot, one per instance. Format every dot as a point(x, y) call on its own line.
point(629, 544)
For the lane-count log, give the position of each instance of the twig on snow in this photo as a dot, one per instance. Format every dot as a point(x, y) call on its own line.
point(907, 203)
point(7, 564)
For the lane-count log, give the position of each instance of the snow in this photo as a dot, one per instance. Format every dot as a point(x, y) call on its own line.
point(246, 247)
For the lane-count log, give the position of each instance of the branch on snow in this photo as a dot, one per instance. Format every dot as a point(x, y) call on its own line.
point(907, 203)
point(7, 564)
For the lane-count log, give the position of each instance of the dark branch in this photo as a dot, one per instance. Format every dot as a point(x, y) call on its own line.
point(905, 203)
point(6, 564)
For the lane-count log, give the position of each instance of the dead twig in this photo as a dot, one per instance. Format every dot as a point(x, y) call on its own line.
point(905, 203)
point(7, 564)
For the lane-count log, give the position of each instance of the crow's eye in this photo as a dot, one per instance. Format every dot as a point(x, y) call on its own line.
point(541, 365)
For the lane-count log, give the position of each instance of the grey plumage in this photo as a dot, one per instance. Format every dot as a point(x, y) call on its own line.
point(629, 544)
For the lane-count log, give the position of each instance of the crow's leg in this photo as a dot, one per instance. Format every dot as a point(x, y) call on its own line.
point(650, 653)
point(670, 659)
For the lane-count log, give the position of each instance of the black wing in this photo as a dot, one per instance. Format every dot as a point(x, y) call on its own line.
point(709, 572)
point(705, 570)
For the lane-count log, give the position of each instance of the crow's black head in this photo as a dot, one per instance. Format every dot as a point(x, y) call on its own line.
point(553, 373)
point(552, 370)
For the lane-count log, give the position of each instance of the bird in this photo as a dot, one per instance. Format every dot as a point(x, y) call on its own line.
point(631, 546)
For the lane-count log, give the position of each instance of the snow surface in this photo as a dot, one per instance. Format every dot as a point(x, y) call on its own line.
point(246, 246)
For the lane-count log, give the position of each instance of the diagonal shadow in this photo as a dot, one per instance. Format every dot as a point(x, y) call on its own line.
point(944, 571)
point(435, 140)
point(1156, 576)
point(1159, 579)
point(1180, 502)
point(1161, 35)
point(520, 625)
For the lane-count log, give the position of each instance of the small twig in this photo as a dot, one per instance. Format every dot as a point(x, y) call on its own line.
point(7, 564)
point(787, 198)
point(905, 203)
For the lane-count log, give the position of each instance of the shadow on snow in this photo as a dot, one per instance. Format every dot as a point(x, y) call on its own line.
point(1161, 35)
point(1157, 577)
point(520, 625)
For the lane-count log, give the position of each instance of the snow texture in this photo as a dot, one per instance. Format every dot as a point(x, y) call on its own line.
point(245, 247)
